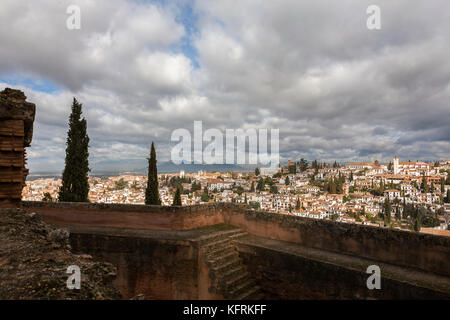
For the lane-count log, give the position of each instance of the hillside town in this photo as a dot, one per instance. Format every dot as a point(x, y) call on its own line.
point(407, 195)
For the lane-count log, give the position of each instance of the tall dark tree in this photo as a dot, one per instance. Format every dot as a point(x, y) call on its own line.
point(303, 164)
point(75, 184)
point(292, 169)
point(177, 198)
point(261, 184)
point(152, 192)
point(205, 195)
point(387, 211)
point(257, 172)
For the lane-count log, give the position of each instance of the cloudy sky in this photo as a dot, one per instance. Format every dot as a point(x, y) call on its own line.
point(335, 89)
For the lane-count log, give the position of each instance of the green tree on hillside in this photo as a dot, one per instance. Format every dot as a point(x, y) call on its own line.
point(152, 192)
point(205, 195)
point(47, 197)
point(287, 181)
point(387, 211)
point(303, 164)
point(177, 198)
point(75, 185)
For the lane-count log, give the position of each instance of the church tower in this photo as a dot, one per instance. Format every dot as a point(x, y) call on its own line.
point(396, 165)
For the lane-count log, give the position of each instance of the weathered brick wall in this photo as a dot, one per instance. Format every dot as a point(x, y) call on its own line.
point(16, 131)
point(284, 276)
point(158, 269)
point(404, 248)
point(128, 216)
point(417, 250)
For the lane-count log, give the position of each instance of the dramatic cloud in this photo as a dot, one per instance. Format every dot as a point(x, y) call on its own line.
point(335, 89)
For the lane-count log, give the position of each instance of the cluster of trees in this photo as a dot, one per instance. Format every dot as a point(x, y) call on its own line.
point(196, 186)
point(205, 195)
point(121, 184)
point(418, 215)
point(175, 181)
point(316, 165)
point(335, 185)
point(261, 186)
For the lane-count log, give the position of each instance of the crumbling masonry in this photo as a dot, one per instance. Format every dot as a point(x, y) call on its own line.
point(16, 132)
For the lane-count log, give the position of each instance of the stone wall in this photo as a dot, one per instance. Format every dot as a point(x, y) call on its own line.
point(157, 264)
point(158, 269)
point(288, 276)
point(16, 131)
point(128, 216)
point(409, 249)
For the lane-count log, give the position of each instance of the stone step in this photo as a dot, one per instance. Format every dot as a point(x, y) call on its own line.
point(215, 245)
point(229, 282)
point(206, 239)
point(225, 257)
point(226, 267)
point(233, 272)
point(238, 235)
point(219, 270)
point(241, 288)
point(253, 293)
point(219, 251)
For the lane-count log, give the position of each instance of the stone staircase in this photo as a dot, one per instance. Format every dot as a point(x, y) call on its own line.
point(228, 274)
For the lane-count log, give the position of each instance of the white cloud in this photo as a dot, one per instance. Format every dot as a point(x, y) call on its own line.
point(335, 89)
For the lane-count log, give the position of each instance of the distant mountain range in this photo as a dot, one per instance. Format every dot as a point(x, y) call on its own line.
point(139, 166)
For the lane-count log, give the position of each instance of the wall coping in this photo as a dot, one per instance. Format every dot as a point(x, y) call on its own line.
point(288, 221)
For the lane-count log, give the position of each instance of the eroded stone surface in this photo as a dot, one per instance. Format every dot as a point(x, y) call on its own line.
point(34, 258)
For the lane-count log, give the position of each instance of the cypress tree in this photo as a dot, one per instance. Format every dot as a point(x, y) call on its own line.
point(205, 195)
point(417, 223)
point(177, 198)
point(424, 185)
point(287, 182)
point(387, 211)
point(75, 184)
point(151, 192)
